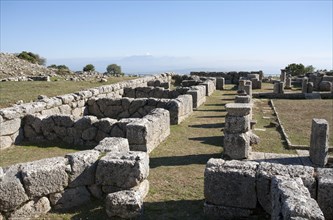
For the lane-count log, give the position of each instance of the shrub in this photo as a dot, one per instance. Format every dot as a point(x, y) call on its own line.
point(114, 70)
point(89, 67)
point(31, 57)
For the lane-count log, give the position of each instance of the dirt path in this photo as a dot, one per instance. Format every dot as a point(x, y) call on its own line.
point(177, 165)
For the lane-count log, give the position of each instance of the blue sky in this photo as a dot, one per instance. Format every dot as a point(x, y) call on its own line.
point(146, 36)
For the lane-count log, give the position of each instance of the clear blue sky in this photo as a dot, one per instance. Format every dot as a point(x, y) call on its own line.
point(227, 35)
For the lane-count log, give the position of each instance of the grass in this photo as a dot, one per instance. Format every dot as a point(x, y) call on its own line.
point(296, 117)
point(11, 92)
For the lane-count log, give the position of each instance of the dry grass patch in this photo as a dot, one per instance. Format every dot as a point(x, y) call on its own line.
point(296, 117)
point(11, 92)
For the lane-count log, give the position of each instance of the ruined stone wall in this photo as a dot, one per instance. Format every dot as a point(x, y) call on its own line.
point(198, 93)
point(179, 108)
point(60, 183)
point(230, 77)
point(233, 189)
point(71, 104)
point(143, 134)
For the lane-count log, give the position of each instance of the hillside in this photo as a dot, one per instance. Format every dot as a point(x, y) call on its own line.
point(11, 66)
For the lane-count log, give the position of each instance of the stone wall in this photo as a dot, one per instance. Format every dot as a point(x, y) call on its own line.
point(233, 189)
point(198, 93)
point(143, 134)
point(71, 104)
point(230, 77)
point(118, 108)
point(60, 183)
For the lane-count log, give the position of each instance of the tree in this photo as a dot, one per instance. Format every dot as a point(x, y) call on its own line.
point(31, 57)
point(61, 69)
point(295, 69)
point(114, 70)
point(89, 67)
point(309, 69)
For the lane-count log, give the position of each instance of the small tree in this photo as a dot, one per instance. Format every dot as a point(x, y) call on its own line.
point(295, 69)
point(89, 67)
point(309, 69)
point(31, 57)
point(114, 70)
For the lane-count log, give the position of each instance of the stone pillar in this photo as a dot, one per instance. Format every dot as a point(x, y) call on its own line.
point(237, 131)
point(241, 84)
point(220, 83)
point(305, 85)
point(288, 83)
point(248, 87)
point(281, 87)
point(276, 88)
point(319, 142)
point(310, 87)
point(283, 76)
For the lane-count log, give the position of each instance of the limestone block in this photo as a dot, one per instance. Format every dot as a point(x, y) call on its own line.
point(105, 124)
point(32, 209)
point(236, 146)
point(224, 212)
point(325, 191)
point(12, 193)
point(238, 109)
point(96, 191)
point(325, 86)
point(83, 167)
point(113, 144)
point(243, 99)
point(45, 176)
point(85, 122)
point(11, 113)
point(122, 170)
point(237, 124)
point(51, 111)
point(305, 85)
point(307, 174)
point(65, 109)
point(310, 87)
point(66, 99)
point(127, 203)
point(10, 126)
point(291, 200)
point(276, 88)
point(71, 197)
point(220, 83)
point(5, 142)
point(231, 183)
point(319, 142)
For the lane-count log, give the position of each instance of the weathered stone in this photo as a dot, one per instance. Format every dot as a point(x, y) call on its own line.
point(238, 109)
point(45, 176)
point(310, 87)
point(236, 146)
point(10, 126)
point(89, 134)
point(105, 124)
point(32, 209)
point(325, 191)
point(237, 124)
point(5, 142)
point(127, 203)
point(65, 109)
point(96, 191)
point(231, 183)
point(122, 170)
point(325, 86)
point(71, 197)
point(12, 193)
point(83, 167)
point(85, 122)
point(319, 142)
point(291, 200)
point(243, 99)
point(220, 83)
point(113, 144)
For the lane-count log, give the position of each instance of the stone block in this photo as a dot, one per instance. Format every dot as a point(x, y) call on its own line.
point(5, 142)
point(220, 83)
point(33, 209)
point(71, 197)
point(291, 200)
point(124, 170)
point(45, 176)
point(319, 142)
point(238, 109)
point(89, 134)
point(325, 191)
point(10, 126)
point(127, 203)
point(12, 193)
point(231, 183)
point(96, 191)
point(83, 167)
point(236, 146)
point(113, 144)
point(243, 99)
point(310, 87)
point(105, 124)
point(325, 86)
point(237, 124)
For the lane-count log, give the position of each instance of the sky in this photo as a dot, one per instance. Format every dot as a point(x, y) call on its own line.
point(148, 36)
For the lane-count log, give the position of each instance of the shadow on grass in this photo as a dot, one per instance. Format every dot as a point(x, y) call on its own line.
point(212, 116)
point(219, 104)
point(215, 125)
point(59, 144)
point(181, 160)
point(179, 209)
point(212, 140)
point(211, 110)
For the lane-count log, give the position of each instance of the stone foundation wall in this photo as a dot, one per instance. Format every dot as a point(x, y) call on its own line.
point(143, 134)
point(230, 77)
point(198, 93)
point(179, 108)
point(71, 104)
point(234, 188)
point(60, 183)
point(267, 95)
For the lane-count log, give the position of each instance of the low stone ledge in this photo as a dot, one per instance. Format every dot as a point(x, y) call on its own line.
point(113, 144)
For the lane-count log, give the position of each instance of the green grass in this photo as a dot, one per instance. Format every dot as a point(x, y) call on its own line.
point(296, 117)
point(11, 92)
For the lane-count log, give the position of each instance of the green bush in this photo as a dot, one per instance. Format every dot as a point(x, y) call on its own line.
point(31, 57)
point(61, 69)
point(114, 70)
point(89, 67)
